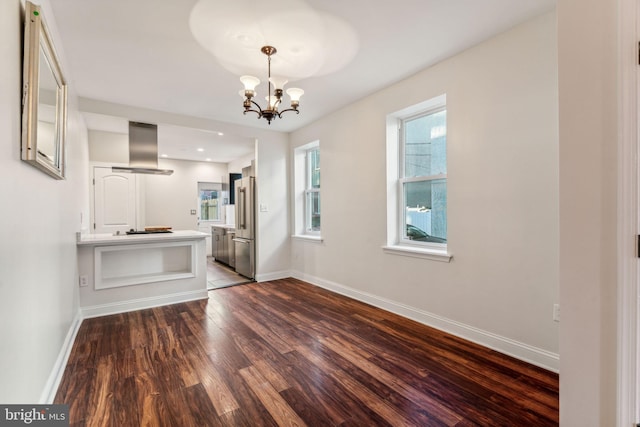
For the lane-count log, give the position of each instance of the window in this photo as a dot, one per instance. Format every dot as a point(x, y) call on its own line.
point(209, 201)
point(312, 191)
point(307, 220)
point(417, 181)
point(423, 178)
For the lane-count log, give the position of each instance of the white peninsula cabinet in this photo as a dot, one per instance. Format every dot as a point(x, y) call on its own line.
point(130, 272)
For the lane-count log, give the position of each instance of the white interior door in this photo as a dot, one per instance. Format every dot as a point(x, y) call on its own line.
point(114, 201)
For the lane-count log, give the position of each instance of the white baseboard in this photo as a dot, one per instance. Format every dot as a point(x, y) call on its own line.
point(536, 356)
point(51, 386)
point(273, 276)
point(142, 303)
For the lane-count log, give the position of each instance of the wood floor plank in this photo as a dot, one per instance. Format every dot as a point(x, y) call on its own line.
point(281, 412)
point(264, 359)
point(151, 404)
point(251, 409)
point(288, 353)
point(101, 397)
point(265, 333)
point(76, 391)
point(201, 407)
point(213, 384)
point(122, 412)
point(328, 395)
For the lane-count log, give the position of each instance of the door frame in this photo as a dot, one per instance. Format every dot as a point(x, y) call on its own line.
point(628, 381)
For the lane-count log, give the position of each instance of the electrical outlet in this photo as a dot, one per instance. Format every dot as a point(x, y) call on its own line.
point(84, 281)
point(556, 312)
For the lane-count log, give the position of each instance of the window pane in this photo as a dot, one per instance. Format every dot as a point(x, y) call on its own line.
point(425, 145)
point(425, 206)
point(313, 210)
point(209, 209)
point(314, 168)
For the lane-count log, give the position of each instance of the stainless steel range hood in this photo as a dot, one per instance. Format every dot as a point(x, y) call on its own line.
point(143, 150)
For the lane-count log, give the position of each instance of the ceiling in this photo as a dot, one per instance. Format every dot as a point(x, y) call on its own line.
point(143, 54)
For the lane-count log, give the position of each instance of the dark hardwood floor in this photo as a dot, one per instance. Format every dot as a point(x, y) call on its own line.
point(288, 353)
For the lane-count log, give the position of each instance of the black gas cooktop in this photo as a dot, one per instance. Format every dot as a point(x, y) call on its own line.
point(132, 231)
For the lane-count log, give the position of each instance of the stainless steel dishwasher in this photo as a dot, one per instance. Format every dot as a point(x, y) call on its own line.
point(219, 248)
point(231, 247)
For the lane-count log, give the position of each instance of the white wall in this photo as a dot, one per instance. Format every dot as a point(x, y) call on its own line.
point(272, 183)
point(169, 199)
point(501, 285)
point(109, 147)
point(237, 165)
point(587, 47)
point(39, 219)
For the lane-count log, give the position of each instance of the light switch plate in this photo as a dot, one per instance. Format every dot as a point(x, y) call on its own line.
point(84, 281)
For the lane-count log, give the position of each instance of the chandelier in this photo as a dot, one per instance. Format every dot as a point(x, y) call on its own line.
point(273, 101)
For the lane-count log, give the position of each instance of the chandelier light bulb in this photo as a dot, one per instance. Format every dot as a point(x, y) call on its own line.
point(272, 102)
point(250, 83)
point(295, 94)
point(278, 82)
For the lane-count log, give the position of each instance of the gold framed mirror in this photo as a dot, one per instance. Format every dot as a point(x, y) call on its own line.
point(44, 102)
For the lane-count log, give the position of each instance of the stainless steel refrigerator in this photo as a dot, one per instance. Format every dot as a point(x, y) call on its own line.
point(245, 226)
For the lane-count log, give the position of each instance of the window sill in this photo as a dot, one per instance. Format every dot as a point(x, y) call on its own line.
point(307, 238)
point(415, 252)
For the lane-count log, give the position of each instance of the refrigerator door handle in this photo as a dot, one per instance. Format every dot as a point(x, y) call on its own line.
point(241, 241)
point(243, 208)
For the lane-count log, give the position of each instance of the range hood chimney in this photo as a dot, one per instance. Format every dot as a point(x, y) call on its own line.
point(143, 150)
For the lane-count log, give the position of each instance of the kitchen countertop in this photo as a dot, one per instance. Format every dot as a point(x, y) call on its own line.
point(127, 239)
point(226, 226)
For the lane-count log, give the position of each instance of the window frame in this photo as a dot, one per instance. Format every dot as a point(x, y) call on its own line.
point(395, 243)
point(308, 191)
point(210, 186)
point(301, 180)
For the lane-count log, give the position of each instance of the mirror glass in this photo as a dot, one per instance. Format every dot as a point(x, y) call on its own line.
point(45, 103)
point(47, 91)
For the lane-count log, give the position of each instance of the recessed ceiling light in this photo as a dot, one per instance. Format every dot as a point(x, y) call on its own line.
point(220, 134)
point(163, 155)
point(208, 159)
point(201, 149)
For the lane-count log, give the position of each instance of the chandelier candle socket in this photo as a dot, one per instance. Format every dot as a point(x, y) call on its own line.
point(273, 101)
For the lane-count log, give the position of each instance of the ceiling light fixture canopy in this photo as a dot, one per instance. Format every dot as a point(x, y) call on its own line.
point(273, 101)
